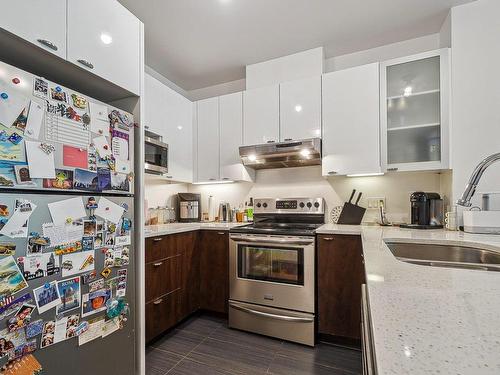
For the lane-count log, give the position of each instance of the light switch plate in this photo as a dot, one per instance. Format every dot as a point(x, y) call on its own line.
point(374, 202)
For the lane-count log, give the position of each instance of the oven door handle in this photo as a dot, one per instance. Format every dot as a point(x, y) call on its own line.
point(272, 316)
point(272, 240)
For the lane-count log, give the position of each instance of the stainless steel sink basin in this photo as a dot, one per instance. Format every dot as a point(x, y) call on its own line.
point(439, 255)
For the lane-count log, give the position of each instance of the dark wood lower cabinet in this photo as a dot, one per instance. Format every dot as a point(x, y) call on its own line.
point(214, 270)
point(340, 274)
point(185, 272)
point(161, 314)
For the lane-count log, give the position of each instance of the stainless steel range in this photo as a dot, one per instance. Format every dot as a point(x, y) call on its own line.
point(271, 269)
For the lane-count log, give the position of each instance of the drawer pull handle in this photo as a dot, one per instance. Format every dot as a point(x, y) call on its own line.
point(158, 301)
point(392, 169)
point(221, 233)
point(86, 63)
point(48, 44)
point(157, 264)
point(332, 172)
point(157, 239)
point(328, 239)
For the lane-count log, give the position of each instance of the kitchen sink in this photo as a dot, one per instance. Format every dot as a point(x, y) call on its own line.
point(440, 255)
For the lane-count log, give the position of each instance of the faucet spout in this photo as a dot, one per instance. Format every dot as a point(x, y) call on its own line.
point(470, 189)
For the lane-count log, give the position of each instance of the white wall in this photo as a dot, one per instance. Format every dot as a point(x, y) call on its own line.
point(389, 51)
point(475, 42)
point(382, 53)
point(159, 192)
point(308, 182)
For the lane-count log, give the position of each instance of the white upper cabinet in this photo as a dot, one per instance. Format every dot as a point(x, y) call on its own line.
point(351, 121)
point(300, 109)
point(155, 116)
point(261, 115)
point(41, 22)
point(231, 138)
point(179, 136)
point(104, 38)
point(170, 115)
point(207, 154)
point(415, 112)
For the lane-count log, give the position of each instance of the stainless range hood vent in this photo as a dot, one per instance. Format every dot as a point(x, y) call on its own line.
point(282, 155)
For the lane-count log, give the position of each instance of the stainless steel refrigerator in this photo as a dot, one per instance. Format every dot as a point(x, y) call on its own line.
point(63, 145)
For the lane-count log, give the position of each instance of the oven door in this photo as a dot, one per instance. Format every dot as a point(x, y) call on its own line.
point(155, 156)
point(275, 271)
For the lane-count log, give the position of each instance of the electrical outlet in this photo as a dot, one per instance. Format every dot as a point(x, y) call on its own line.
point(375, 202)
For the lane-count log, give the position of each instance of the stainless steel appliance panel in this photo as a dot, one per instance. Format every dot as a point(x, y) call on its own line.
point(156, 156)
point(284, 324)
point(276, 271)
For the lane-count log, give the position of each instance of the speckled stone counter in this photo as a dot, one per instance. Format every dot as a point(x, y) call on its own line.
point(164, 229)
point(429, 320)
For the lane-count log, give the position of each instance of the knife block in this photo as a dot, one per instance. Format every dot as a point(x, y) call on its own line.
point(351, 214)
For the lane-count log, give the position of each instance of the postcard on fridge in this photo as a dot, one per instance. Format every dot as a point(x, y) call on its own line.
point(41, 164)
point(67, 211)
point(76, 263)
point(47, 296)
point(109, 211)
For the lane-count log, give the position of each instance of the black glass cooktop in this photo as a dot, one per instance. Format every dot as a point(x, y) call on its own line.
point(279, 228)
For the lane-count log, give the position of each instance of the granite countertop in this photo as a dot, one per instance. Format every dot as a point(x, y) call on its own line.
point(164, 229)
point(429, 320)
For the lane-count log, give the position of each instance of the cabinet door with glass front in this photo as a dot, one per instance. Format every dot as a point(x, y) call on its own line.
point(415, 112)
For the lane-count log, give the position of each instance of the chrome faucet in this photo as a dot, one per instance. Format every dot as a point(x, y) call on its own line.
point(470, 189)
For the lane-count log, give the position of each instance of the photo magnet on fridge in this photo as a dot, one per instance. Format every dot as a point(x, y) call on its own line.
point(63, 180)
point(70, 293)
point(47, 296)
point(85, 180)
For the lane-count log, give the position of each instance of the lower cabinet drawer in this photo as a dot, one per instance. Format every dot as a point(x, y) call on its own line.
point(163, 277)
point(161, 314)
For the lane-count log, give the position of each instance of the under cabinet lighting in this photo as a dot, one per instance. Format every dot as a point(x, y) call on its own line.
point(252, 157)
point(365, 174)
point(213, 182)
point(305, 152)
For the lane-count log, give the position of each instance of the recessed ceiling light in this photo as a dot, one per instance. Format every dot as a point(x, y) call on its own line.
point(179, 127)
point(298, 108)
point(408, 91)
point(106, 38)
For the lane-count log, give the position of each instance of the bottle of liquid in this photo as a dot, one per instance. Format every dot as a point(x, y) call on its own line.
point(250, 210)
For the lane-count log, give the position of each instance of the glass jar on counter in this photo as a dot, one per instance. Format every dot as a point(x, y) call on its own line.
point(153, 216)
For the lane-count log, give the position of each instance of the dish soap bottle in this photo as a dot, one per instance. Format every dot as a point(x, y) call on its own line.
point(250, 210)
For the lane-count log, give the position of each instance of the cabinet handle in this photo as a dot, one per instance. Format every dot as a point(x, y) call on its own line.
point(392, 169)
point(48, 44)
point(157, 239)
point(169, 177)
point(271, 141)
point(158, 301)
point(157, 264)
point(288, 139)
point(225, 178)
point(221, 233)
point(328, 239)
point(332, 172)
point(86, 63)
point(211, 179)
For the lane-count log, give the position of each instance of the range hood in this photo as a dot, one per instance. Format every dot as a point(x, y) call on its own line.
point(282, 155)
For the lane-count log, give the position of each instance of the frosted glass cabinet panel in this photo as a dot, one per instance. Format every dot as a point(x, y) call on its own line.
point(415, 112)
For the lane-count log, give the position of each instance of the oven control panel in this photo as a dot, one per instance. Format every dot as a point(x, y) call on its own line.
point(289, 205)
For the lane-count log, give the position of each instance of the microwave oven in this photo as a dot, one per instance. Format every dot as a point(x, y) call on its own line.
point(156, 154)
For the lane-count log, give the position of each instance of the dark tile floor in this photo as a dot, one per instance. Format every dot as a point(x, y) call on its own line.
point(205, 345)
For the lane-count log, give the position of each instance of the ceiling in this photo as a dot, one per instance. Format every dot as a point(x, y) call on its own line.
point(200, 43)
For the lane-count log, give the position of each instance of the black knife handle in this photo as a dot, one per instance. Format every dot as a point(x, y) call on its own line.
point(359, 197)
point(352, 195)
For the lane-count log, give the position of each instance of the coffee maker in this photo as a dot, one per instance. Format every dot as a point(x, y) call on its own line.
point(426, 211)
point(189, 207)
